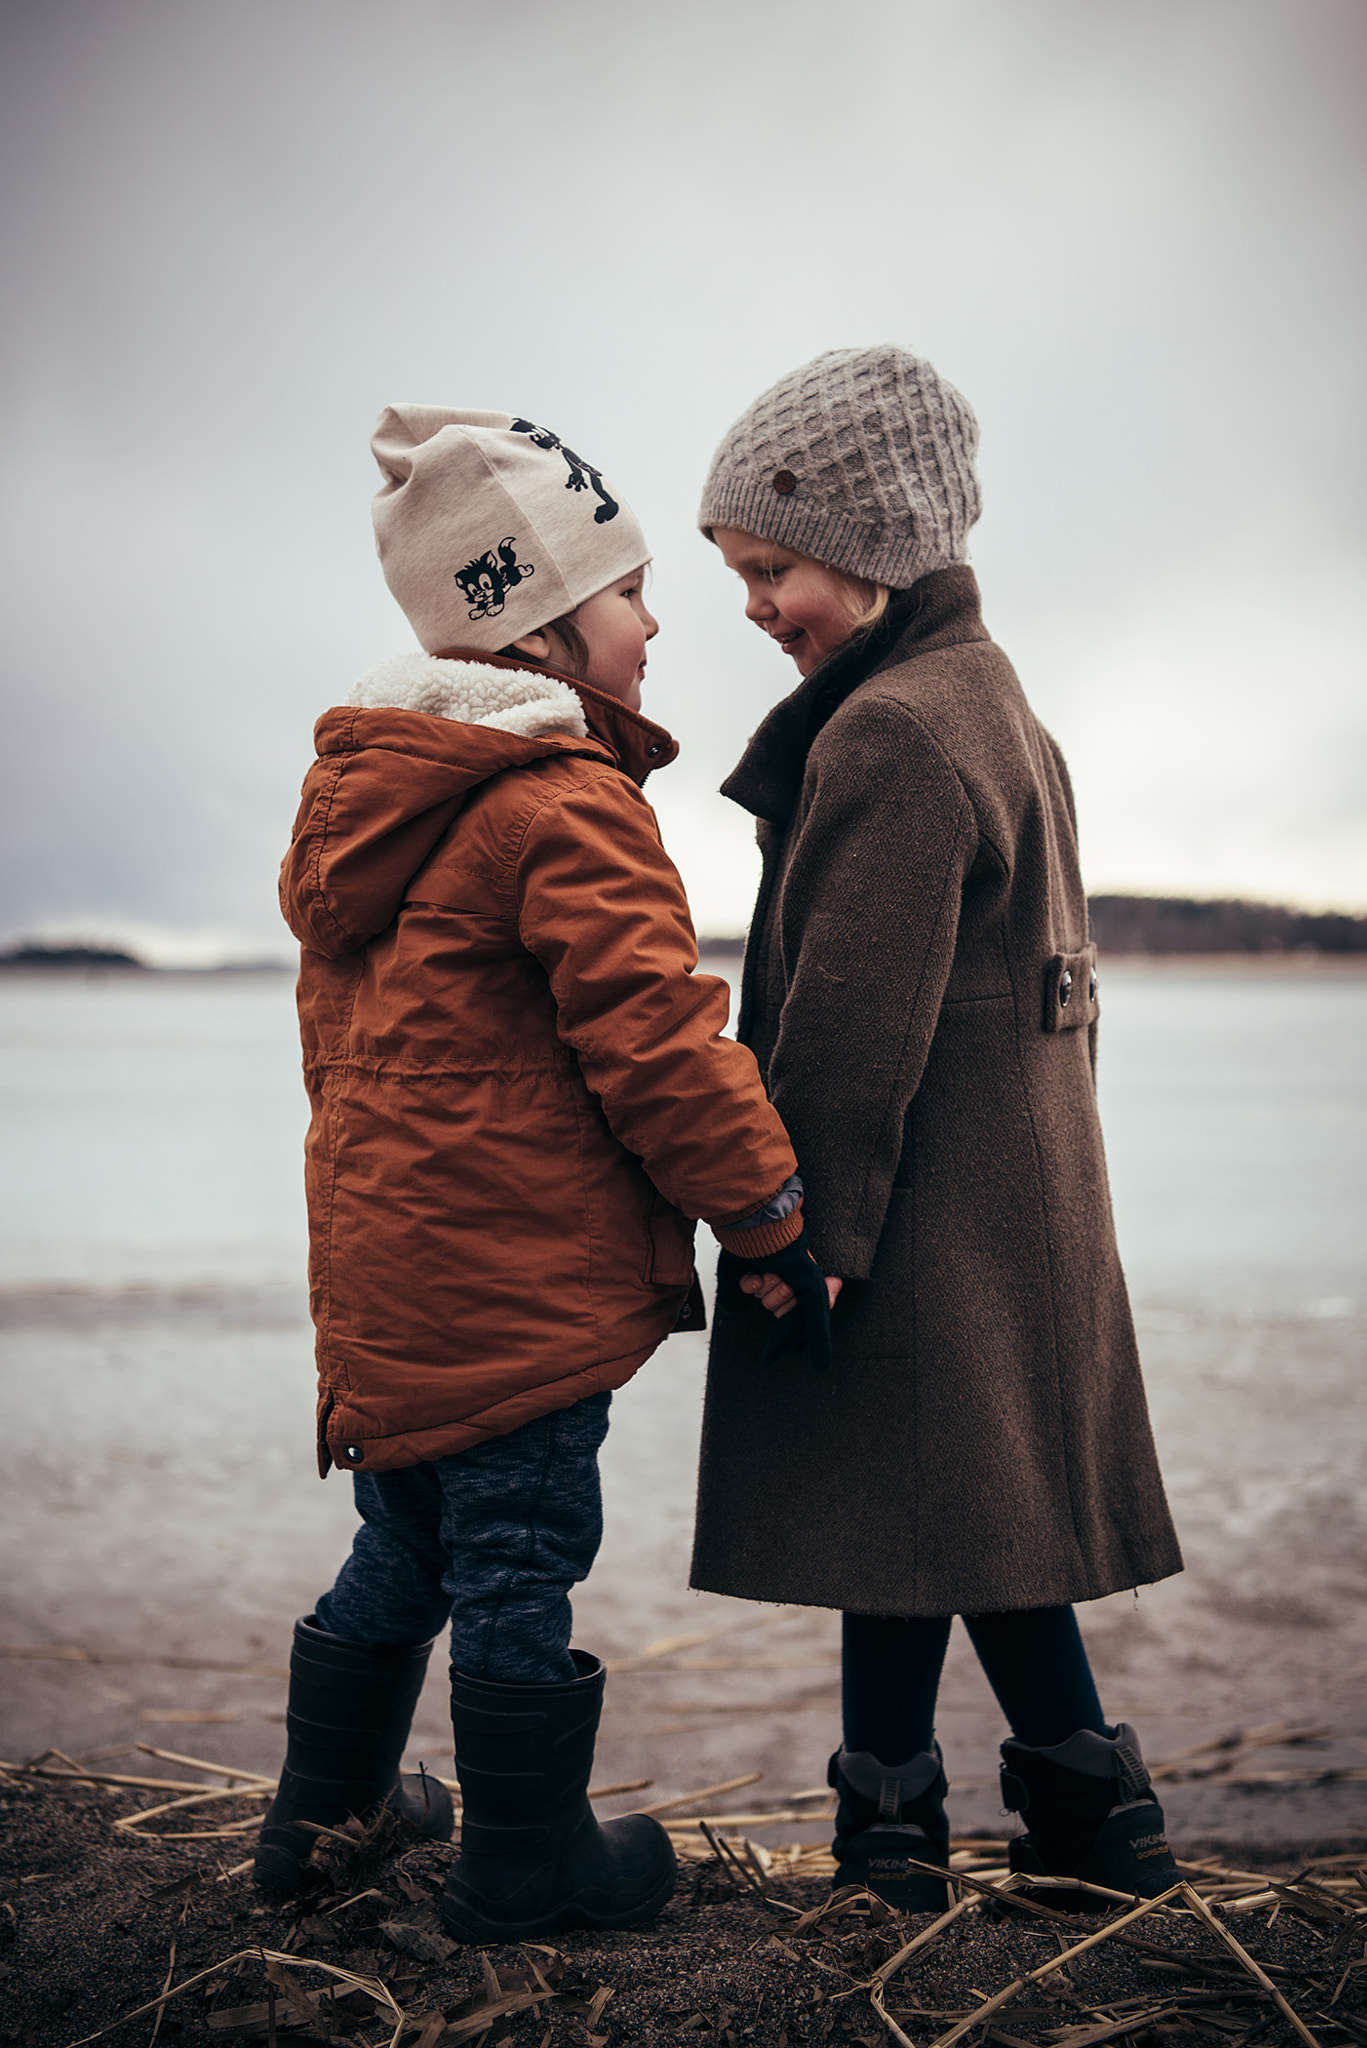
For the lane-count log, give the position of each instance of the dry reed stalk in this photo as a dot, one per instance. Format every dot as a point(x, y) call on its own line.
point(632, 1667)
point(68, 1653)
point(161, 2009)
point(803, 1706)
point(231, 1831)
point(876, 1984)
point(667, 1645)
point(1328, 1774)
point(1255, 1970)
point(703, 1792)
point(728, 1859)
point(182, 1716)
point(200, 1763)
point(1077, 1884)
point(1046, 1969)
point(372, 1986)
point(76, 1776)
point(131, 1823)
point(778, 1817)
point(1226, 1748)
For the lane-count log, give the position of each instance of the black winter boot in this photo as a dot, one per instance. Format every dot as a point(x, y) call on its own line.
point(888, 1819)
point(533, 1859)
point(1090, 1812)
point(350, 1709)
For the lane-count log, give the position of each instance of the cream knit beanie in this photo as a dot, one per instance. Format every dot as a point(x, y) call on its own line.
point(489, 527)
point(862, 458)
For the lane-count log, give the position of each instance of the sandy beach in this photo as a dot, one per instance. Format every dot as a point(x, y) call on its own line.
point(164, 1525)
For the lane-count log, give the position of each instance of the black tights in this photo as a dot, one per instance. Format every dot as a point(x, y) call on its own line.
point(1034, 1660)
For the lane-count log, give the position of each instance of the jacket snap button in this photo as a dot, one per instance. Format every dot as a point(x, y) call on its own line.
point(651, 752)
point(785, 483)
point(1091, 989)
point(353, 1454)
point(1065, 989)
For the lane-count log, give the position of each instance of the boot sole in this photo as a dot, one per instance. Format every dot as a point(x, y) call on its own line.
point(467, 1924)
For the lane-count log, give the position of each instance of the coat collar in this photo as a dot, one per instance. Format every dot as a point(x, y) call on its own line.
point(941, 610)
point(636, 744)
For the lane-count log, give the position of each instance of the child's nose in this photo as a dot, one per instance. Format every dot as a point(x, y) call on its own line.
point(759, 605)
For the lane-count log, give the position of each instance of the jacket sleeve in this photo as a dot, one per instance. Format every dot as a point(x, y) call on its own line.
point(602, 908)
point(868, 921)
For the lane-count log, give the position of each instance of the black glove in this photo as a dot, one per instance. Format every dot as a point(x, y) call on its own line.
point(807, 1325)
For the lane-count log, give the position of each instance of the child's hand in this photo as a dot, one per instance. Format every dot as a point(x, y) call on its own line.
point(777, 1296)
point(781, 1281)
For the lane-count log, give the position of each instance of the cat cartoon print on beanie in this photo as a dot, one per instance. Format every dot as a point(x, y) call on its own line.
point(488, 526)
point(490, 575)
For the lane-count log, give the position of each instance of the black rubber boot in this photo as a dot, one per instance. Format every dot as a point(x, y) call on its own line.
point(888, 1819)
point(533, 1859)
point(350, 1709)
point(1089, 1811)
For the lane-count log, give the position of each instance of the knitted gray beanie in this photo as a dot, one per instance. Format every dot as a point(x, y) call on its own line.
point(862, 458)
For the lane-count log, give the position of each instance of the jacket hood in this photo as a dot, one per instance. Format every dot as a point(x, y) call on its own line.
point(396, 763)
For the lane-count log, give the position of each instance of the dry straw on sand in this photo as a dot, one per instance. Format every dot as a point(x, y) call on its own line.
point(133, 1919)
point(820, 1967)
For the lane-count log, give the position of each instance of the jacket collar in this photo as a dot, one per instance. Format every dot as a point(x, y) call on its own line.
point(941, 610)
point(636, 744)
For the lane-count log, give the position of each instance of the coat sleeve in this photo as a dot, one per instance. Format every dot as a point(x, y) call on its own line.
point(601, 906)
point(1066, 781)
point(868, 915)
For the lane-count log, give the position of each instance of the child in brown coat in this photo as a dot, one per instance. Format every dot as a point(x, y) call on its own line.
point(922, 996)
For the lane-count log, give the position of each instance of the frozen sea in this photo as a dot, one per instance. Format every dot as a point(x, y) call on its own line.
point(164, 1524)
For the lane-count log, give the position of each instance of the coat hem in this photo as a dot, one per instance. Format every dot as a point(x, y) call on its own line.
point(790, 1593)
point(391, 1452)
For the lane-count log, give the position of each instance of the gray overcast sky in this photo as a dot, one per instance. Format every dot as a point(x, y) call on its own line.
point(1130, 230)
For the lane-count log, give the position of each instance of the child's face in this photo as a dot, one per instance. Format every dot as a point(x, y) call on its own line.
point(800, 603)
point(616, 627)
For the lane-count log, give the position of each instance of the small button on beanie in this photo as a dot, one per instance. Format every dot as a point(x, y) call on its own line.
point(863, 458)
point(489, 527)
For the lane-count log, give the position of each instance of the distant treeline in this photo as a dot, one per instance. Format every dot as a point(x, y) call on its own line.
point(1181, 924)
point(1184, 924)
point(33, 955)
point(1120, 924)
point(98, 959)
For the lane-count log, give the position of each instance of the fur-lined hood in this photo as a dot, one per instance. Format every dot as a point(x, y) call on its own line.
point(419, 734)
point(529, 702)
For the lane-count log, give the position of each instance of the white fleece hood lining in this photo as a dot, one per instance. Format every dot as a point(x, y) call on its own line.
point(515, 700)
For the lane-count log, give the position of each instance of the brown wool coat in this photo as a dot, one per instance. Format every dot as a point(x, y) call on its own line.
point(520, 1096)
point(983, 1442)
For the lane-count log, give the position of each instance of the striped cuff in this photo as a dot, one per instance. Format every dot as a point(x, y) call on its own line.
point(761, 1238)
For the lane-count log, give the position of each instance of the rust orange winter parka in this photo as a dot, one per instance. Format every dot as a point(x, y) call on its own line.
point(520, 1096)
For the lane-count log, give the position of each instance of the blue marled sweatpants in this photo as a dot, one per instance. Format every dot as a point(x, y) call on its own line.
point(492, 1539)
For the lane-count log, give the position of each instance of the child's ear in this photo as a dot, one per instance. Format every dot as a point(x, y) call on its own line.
point(536, 645)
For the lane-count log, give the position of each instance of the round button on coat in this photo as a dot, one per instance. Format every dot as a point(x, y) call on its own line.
point(1091, 988)
point(1065, 988)
point(353, 1454)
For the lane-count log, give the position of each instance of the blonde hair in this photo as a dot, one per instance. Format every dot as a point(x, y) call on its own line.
point(867, 610)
